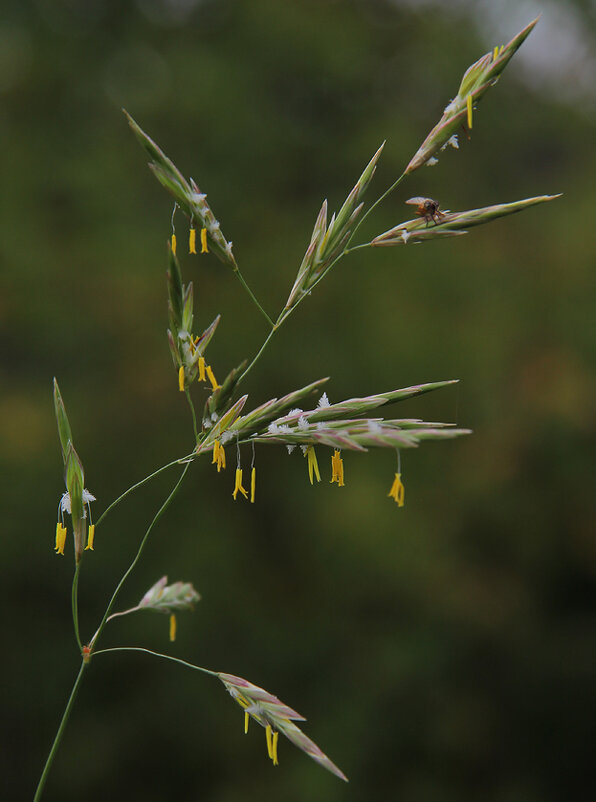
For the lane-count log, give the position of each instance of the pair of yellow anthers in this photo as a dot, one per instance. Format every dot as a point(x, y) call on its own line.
point(192, 241)
point(219, 456)
point(313, 465)
point(337, 469)
point(61, 538)
point(238, 488)
point(205, 372)
point(272, 738)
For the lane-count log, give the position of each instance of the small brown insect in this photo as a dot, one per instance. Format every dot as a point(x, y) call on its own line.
point(427, 208)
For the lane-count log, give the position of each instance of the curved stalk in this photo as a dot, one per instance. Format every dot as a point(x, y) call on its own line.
point(157, 654)
point(240, 278)
point(134, 487)
point(137, 556)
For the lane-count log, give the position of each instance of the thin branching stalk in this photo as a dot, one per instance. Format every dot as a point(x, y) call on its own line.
point(157, 654)
point(285, 313)
point(130, 568)
point(252, 296)
point(136, 486)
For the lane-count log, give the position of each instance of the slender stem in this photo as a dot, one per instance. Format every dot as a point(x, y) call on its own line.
point(75, 605)
point(261, 349)
point(123, 612)
point(140, 484)
point(157, 654)
point(127, 573)
point(252, 295)
point(193, 413)
point(59, 733)
point(357, 247)
point(285, 314)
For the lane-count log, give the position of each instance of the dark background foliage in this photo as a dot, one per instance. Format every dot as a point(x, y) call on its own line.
point(445, 651)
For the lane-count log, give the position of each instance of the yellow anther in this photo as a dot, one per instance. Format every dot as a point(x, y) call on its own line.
point(90, 537)
point(60, 538)
point(253, 484)
point(192, 240)
point(174, 244)
point(469, 107)
point(313, 465)
point(204, 248)
point(181, 378)
point(496, 53)
point(210, 375)
point(246, 720)
point(238, 485)
point(269, 736)
point(219, 456)
point(274, 748)
point(397, 490)
point(172, 627)
point(202, 376)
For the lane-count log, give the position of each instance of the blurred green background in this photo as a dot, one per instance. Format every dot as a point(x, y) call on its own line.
point(444, 651)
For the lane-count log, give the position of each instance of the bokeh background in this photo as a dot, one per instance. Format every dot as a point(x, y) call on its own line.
point(444, 651)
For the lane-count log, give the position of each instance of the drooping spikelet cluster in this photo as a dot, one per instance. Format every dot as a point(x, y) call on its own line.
point(332, 426)
point(275, 717)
